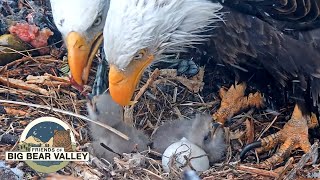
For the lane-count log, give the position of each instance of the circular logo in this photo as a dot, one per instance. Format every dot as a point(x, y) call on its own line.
point(41, 138)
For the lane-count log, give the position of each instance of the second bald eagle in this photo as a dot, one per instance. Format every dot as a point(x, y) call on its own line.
point(280, 35)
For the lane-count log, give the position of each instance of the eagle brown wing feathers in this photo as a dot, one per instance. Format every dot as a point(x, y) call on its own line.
point(246, 39)
point(299, 14)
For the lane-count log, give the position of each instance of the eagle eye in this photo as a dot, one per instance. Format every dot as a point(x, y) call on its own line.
point(140, 54)
point(98, 21)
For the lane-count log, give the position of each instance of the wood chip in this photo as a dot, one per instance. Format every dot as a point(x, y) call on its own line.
point(15, 112)
point(58, 176)
point(286, 168)
point(195, 84)
point(48, 80)
point(262, 172)
point(303, 161)
point(17, 92)
point(249, 131)
point(42, 59)
point(237, 134)
point(20, 84)
point(61, 79)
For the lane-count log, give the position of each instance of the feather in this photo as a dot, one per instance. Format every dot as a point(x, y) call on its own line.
point(286, 57)
point(79, 16)
point(280, 36)
point(161, 26)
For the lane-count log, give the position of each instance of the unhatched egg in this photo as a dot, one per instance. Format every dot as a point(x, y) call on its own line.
point(179, 153)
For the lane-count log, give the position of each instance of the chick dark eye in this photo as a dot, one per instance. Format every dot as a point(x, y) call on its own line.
point(98, 21)
point(206, 137)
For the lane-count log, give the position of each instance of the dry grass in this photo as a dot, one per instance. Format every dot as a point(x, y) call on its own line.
point(162, 98)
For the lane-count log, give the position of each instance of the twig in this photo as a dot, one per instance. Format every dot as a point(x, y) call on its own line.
point(152, 174)
point(17, 91)
point(20, 84)
point(286, 168)
point(48, 80)
point(249, 131)
point(238, 122)
point(27, 50)
point(12, 111)
point(28, 58)
point(304, 159)
point(268, 127)
point(17, 52)
point(2, 69)
point(151, 79)
point(67, 113)
point(258, 171)
point(214, 174)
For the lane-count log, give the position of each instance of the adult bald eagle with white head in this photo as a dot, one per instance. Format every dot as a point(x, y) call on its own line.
point(81, 24)
point(280, 35)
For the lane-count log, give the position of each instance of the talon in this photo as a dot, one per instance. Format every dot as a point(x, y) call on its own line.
point(294, 135)
point(233, 101)
point(188, 68)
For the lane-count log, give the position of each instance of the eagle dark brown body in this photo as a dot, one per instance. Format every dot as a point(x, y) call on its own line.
point(278, 36)
point(282, 36)
point(300, 14)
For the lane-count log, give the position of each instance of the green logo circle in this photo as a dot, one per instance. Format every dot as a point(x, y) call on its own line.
point(43, 133)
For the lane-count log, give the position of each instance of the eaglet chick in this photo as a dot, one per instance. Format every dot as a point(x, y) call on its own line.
point(198, 131)
point(103, 109)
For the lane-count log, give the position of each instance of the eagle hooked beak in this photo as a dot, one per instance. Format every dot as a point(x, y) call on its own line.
point(81, 54)
point(122, 83)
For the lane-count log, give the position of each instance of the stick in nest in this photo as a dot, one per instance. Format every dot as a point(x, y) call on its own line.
point(262, 172)
point(68, 113)
point(20, 84)
point(152, 78)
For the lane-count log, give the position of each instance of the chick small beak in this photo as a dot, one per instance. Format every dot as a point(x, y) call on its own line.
point(122, 83)
point(80, 55)
point(215, 126)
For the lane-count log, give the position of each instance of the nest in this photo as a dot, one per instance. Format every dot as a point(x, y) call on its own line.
point(162, 96)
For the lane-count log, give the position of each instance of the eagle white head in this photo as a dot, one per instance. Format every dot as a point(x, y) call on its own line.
point(139, 32)
point(81, 23)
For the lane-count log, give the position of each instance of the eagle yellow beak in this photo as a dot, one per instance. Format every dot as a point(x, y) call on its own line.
point(81, 54)
point(122, 84)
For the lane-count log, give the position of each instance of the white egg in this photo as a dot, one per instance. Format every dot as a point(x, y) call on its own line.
point(177, 152)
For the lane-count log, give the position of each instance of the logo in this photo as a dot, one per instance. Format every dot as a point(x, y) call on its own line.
point(47, 145)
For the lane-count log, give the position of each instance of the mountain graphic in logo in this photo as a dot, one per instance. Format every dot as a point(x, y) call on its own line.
point(47, 132)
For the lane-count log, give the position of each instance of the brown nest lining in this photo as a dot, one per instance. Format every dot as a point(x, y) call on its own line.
point(162, 96)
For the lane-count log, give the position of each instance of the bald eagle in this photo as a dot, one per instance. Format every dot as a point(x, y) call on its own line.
point(81, 24)
point(138, 33)
point(281, 35)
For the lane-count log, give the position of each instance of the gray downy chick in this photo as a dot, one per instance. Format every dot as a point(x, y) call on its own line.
point(198, 131)
point(103, 109)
